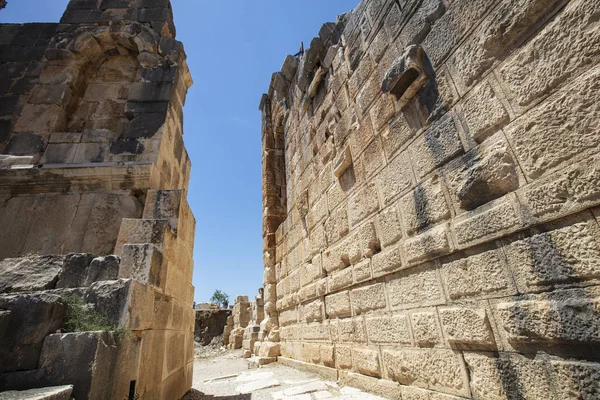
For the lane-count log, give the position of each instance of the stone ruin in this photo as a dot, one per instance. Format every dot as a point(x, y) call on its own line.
point(242, 327)
point(209, 324)
point(233, 335)
point(430, 200)
point(96, 234)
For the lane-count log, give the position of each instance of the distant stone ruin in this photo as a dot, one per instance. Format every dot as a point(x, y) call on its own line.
point(96, 235)
point(241, 314)
point(430, 200)
point(209, 324)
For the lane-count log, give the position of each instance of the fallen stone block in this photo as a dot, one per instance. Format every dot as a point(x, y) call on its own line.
point(29, 273)
point(49, 393)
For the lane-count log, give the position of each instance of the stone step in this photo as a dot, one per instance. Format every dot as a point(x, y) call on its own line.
point(48, 393)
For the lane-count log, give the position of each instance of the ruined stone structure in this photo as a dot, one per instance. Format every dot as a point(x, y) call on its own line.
point(239, 319)
point(210, 324)
point(252, 330)
point(430, 178)
point(93, 185)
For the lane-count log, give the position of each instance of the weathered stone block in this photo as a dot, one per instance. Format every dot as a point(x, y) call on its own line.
point(424, 205)
point(415, 287)
point(389, 227)
point(368, 298)
point(464, 325)
point(29, 273)
point(349, 330)
point(565, 192)
point(372, 158)
point(362, 271)
point(566, 254)
point(149, 92)
point(506, 377)
point(24, 144)
point(50, 94)
point(337, 305)
point(336, 226)
point(484, 113)
point(493, 220)
point(431, 244)
point(425, 328)
point(381, 112)
point(366, 362)
point(449, 30)
point(269, 349)
point(389, 260)
point(314, 331)
point(364, 203)
point(543, 318)
point(388, 329)
point(480, 275)
point(528, 78)
point(559, 131)
point(483, 174)
point(340, 279)
point(395, 179)
point(397, 136)
point(312, 311)
point(343, 356)
point(420, 22)
point(439, 144)
point(439, 370)
point(145, 263)
point(576, 379)
point(26, 320)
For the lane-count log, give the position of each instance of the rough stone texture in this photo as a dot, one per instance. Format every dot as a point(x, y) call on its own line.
point(93, 183)
point(209, 324)
point(29, 274)
point(49, 393)
point(458, 238)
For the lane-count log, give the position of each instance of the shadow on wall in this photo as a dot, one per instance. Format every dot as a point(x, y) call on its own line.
point(555, 292)
point(194, 394)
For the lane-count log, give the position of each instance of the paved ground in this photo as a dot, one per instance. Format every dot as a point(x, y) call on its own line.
point(227, 377)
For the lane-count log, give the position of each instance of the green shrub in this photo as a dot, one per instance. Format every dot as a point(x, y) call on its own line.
point(81, 317)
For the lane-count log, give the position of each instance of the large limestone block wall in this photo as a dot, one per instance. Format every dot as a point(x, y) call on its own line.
point(92, 162)
point(430, 193)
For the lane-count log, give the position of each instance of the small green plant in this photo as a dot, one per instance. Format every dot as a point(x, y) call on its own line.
point(221, 298)
point(81, 317)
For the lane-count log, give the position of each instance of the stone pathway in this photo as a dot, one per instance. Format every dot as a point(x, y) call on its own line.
point(227, 377)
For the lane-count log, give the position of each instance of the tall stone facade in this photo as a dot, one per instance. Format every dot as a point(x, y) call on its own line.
point(93, 186)
point(430, 193)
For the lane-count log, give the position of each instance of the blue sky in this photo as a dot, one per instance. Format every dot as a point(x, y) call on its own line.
point(233, 47)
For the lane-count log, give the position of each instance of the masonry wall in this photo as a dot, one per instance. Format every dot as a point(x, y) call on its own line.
point(430, 178)
point(92, 164)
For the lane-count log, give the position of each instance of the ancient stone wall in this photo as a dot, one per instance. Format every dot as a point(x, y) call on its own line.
point(430, 178)
point(93, 185)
